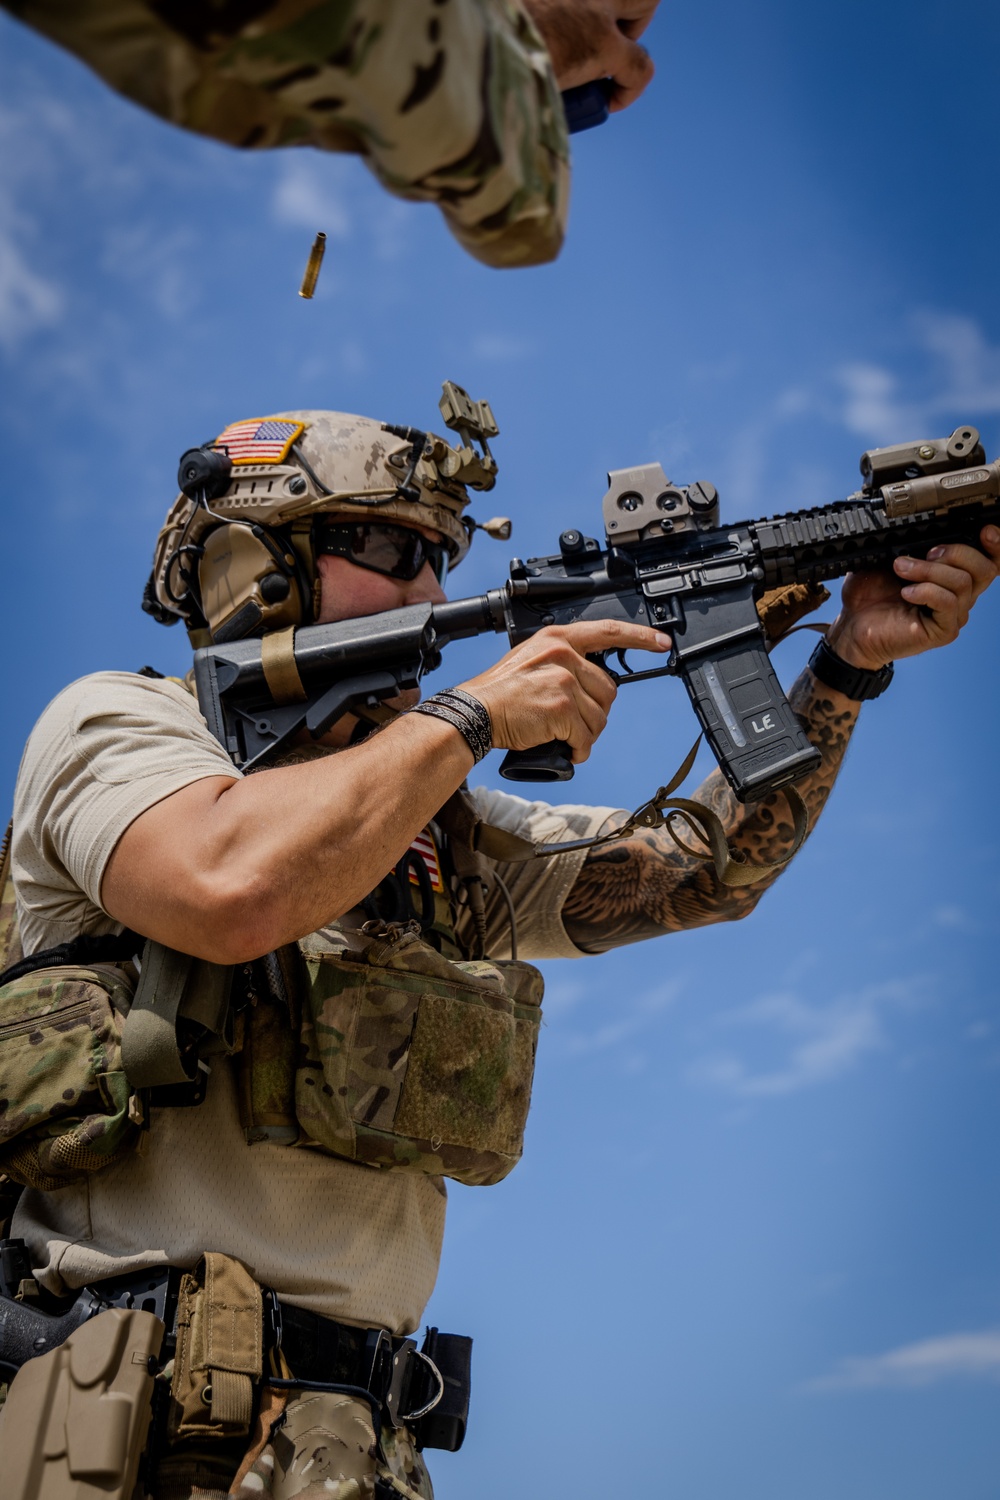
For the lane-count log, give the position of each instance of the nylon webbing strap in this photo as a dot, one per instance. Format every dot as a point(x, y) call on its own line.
point(233, 1338)
point(277, 658)
point(150, 1055)
point(662, 808)
point(497, 843)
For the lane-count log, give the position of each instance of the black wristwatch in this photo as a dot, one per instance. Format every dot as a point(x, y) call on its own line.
point(854, 682)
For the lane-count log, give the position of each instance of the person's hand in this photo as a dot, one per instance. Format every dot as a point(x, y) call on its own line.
point(920, 604)
point(590, 39)
point(546, 689)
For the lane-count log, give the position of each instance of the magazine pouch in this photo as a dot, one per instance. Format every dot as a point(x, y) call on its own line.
point(412, 1062)
point(66, 1107)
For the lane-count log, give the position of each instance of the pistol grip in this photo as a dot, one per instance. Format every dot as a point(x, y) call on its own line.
point(549, 762)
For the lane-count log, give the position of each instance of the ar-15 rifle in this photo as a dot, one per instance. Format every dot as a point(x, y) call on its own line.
point(668, 564)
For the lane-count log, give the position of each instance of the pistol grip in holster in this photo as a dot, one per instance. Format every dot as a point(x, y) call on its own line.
point(722, 660)
point(75, 1421)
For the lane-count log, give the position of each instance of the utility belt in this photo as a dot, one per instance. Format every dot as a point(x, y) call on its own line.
point(157, 1358)
point(425, 1389)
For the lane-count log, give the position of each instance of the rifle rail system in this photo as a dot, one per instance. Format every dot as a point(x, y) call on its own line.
point(668, 563)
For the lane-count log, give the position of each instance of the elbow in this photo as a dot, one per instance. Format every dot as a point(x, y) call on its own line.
point(234, 923)
point(737, 902)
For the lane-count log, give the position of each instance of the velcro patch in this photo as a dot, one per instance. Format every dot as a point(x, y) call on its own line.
point(263, 440)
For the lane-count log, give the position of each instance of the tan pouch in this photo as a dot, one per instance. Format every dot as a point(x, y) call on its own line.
point(219, 1355)
point(75, 1421)
point(411, 1061)
point(69, 1110)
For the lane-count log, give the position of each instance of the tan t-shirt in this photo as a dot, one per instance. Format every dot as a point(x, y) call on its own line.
point(343, 1240)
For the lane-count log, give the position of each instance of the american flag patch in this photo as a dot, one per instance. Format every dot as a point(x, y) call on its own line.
point(424, 846)
point(262, 441)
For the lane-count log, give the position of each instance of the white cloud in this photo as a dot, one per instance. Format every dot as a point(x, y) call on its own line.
point(817, 1042)
point(954, 917)
point(321, 190)
point(562, 996)
point(947, 372)
point(501, 348)
point(308, 194)
point(956, 364)
point(160, 264)
point(624, 1026)
point(28, 301)
point(974, 1356)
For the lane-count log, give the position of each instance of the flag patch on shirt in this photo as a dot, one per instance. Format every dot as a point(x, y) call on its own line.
point(264, 440)
point(424, 846)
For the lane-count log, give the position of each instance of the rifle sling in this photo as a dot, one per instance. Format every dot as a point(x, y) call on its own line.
point(706, 825)
point(172, 987)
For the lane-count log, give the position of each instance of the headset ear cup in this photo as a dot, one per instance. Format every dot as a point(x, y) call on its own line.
point(245, 589)
point(317, 595)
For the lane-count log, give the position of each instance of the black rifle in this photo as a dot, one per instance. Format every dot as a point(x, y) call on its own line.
point(668, 564)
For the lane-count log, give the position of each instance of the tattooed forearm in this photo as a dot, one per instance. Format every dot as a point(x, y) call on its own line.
point(647, 885)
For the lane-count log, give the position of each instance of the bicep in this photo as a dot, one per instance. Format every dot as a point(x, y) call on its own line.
point(157, 871)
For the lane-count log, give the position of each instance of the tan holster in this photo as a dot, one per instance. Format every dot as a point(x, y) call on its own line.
point(219, 1356)
point(75, 1420)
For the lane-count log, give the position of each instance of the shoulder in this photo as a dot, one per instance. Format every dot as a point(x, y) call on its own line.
point(124, 694)
point(119, 727)
point(106, 749)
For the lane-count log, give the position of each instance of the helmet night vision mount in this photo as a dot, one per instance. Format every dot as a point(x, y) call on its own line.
point(236, 556)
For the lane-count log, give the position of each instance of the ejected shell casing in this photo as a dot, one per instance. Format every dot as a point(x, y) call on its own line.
point(313, 264)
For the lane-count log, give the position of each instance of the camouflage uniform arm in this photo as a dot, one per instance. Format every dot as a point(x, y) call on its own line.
point(449, 101)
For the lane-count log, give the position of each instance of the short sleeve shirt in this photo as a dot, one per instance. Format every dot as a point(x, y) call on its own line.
point(341, 1239)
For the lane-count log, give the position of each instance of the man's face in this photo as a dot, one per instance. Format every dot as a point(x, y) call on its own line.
point(349, 591)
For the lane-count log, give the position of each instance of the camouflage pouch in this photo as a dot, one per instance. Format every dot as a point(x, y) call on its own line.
point(410, 1061)
point(67, 1106)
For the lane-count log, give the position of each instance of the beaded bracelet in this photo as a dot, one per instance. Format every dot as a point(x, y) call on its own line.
point(464, 713)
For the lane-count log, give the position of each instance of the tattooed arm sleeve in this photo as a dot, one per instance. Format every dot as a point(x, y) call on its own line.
point(647, 885)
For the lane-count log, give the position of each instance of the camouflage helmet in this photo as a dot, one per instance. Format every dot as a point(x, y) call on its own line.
point(235, 556)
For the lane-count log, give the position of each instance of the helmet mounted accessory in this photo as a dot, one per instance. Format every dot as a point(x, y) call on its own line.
point(236, 556)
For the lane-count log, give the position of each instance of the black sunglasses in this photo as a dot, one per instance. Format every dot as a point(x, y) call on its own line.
point(396, 551)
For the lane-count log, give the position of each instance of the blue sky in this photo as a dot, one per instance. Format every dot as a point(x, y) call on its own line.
point(752, 1248)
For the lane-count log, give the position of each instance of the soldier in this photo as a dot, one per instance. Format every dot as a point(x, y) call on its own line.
point(383, 1040)
point(454, 102)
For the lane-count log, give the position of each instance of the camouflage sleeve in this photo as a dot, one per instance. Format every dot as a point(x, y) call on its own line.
point(452, 102)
